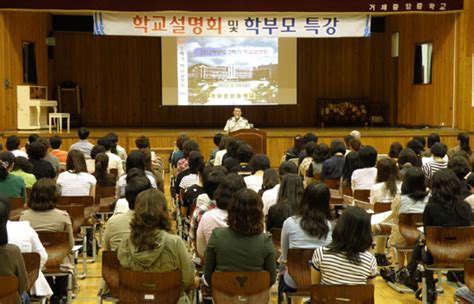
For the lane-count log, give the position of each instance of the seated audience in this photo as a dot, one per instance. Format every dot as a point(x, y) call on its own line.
point(44, 216)
point(13, 145)
point(244, 155)
point(118, 225)
point(90, 162)
point(394, 151)
point(188, 147)
point(217, 217)
point(41, 168)
point(417, 147)
point(75, 181)
point(270, 180)
point(143, 143)
point(212, 177)
point(115, 162)
point(22, 235)
point(55, 142)
point(289, 196)
point(48, 157)
point(310, 149)
point(178, 154)
point(346, 260)
point(151, 246)
point(10, 255)
point(316, 167)
point(307, 138)
point(259, 163)
point(136, 160)
point(83, 145)
point(356, 134)
point(23, 168)
point(269, 198)
point(155, 170)
point(229, 160)
point(293, 153)
point(193, 176)
point(407, 159)
point(438, 150)
point(10, 185)
point(426, 155)
point(461, 167)
point(217, 139)
point(310, 228)
point(116, 148)
point(222, 150)
point(101, 172)
point(422, 140)
point(445, 208)
point(463, 145)
point(334, 166)
point(388, 183)
point(365, 177)
point(243, 246)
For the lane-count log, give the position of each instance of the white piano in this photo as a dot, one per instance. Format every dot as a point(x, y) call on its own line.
point(32, 107)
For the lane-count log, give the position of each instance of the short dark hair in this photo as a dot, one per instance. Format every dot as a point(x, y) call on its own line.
point(395, 149)
point(12, 143)
point(83, 133)
point(310, 137)
point(7, 159)
point(287, 167)
point(181, 140)
point(352, 234)
point(421, 139)
point(4, 216)
point(459, 165)
point(76, 162)
point(217, 139)
point(55, 141)
point(136, 159)
point(244, 153)
point(407, 155)
point(310, 148)
point(232, 147)
point(347, 139)
point(432, 139)
point(227, 188)
point(245, 215)
point(106, 142)
point(142, 142)
point(44, 195)
point(135, 184)
point(96, 150)
point(189, 146)
point(321, 153)
point(196, 162)
point(416, 146)
point(439, 149)
point(32, 138)
point(368, 156)
point(337, 146)
point(355, 144)
point(36, 150)
point(211, 179)
point(22, 163)
point(259, 162)
point(414, 184)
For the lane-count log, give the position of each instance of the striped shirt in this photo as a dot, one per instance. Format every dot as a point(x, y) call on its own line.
point(432, 167)
point(336, 269)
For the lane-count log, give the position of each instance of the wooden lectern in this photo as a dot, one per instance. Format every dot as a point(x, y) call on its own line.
point(254, 137)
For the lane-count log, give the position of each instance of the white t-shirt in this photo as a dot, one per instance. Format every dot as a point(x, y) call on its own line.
point(189, 180)
point(122, 183)
point(380, 193)
point(76, 184)
point(121, 206)
point(269, 198)
point(19, 153)
point(363, 178)
point(115, 162)
point(254, 182)
point(219, 155)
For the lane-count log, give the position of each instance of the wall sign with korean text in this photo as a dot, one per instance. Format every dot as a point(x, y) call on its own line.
point(311, 25)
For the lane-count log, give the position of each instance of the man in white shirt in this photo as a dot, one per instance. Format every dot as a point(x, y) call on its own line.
point(13, 145)
point(237, 122)
point(269, 197)
point(83, 145)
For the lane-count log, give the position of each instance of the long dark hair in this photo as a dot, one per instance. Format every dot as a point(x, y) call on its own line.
point(352, 234)
point(76, 162)
point(414, 184)
point(6, 161)
point(446, 190)
point(101, 165)
point(464, 142)
point(4, 215)
point(245, 215)
point(387, 171)
point(314, 210)
point(289, 194)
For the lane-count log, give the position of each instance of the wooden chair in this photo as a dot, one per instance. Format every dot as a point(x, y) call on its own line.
point(114, 171)
point(104, 206)
point(299, 268)
point(241, 287)
point(380, 207)
point(9, 290)
point(408, 224)
point(337, 294)
point(333, 183)
point(149, 287)
point(16, 203)
point(362, 195)
point(32, 265)
point(450, 247)
point(276, 239)
point(110, 274)
point(57, 247)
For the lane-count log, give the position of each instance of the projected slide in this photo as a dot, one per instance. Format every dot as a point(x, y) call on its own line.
point(228, 71)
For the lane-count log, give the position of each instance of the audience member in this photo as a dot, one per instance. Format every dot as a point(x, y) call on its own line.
point(388, 183)
point(222, 150)
point(269, 198)
point(270, 180)
point(188, 147)
point(310, 149)
point(90, 162)
point(334, 166)
point(463, 144)
point(244, 155)
point(294, 152)
point(196, 165)
point(289, 196)
point(229, 160)
point(156, 171)
point(243, 246)
point(394, 151)
point(101, 172)
point(259, 163)
point(48, 157)
point(136, 160)
point(10, 184)
point(115, 162)
point(307, 138)
point(116, 148)
point(351, 164)
point(356, 134)
point(438, 150)
point(13, 145)
point(217, 139)
point(417, 147)
point(461, 167)
point(407, 159)
point(150, 246)
point(365, 177)
point(432, 139)
point(55, 142)
point(178, 154)
point(23, 168)
point(75, 181)
point(83, 145)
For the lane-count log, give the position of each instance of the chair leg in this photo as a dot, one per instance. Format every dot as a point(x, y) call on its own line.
point(69, 288)
point(84, 257)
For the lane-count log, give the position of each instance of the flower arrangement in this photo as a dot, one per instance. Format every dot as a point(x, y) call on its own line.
point(343, 112)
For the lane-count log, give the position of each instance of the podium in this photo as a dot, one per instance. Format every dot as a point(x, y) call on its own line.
point(254, 137)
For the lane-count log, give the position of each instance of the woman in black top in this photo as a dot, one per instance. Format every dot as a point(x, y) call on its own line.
point(41, 168)
point(445, 208)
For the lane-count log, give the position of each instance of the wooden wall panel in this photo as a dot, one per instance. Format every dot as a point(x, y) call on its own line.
point(16, 27)
point(425, 104)
point(121, 81)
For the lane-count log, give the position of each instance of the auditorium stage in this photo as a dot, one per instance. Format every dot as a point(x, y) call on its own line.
point(278, 139)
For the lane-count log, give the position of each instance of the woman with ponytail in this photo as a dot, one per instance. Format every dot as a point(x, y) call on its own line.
point(104, 179)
